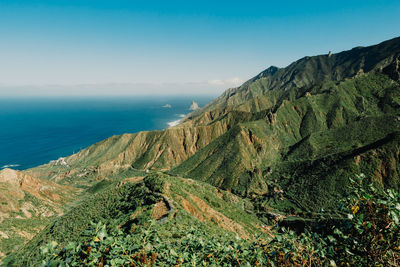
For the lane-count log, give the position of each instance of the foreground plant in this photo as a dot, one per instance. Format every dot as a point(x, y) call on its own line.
point(369, 236)
point(372, 234)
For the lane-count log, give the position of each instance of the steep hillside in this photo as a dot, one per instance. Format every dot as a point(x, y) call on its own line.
point(158, 150)
point(176, 205)
point(165, 220)
point(26, 204)
point(323, 92)
point(350, 117)
point(240, 141)
point(306, 74)
point(282, 148)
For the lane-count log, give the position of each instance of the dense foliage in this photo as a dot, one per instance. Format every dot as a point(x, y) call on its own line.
point(369, 236)
point(112, 205)
point(372, 235)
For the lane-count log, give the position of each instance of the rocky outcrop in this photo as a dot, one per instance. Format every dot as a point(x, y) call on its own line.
point(15, 185)
point(393, 69)
point(194, 106)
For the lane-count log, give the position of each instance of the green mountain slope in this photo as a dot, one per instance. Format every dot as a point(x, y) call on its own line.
point(176, 205)
point(308, 73)
point(348, 117)
point(283, 148)
point(158, 150)
point(242, 140)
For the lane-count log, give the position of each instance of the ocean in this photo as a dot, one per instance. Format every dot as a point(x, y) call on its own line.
point(34, 131)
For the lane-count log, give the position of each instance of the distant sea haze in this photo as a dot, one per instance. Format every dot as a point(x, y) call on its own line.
point(35, 131)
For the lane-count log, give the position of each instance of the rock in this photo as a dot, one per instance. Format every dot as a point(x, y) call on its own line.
point(194, 106)
point(393, 69)
point(10, 176)
point(60, 162)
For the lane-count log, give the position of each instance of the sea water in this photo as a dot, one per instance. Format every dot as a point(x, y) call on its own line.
point(34, 131)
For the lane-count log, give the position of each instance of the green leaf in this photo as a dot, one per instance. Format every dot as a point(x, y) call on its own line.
point(102, 233)
point(390, 192)
point(395, 218)
point(278, 237)
point(331, 239)
point(173, 252)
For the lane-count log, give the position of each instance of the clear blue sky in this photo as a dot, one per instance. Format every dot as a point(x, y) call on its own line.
point(60, 47)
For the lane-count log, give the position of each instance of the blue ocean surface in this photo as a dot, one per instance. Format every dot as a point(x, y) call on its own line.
point(34, 131)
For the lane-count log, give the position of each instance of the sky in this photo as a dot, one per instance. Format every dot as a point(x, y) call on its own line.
point(121, 47)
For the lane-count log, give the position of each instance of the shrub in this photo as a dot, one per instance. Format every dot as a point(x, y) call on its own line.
point(369, 236)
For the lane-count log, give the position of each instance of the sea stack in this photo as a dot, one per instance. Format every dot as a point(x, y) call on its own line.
point(194, 106)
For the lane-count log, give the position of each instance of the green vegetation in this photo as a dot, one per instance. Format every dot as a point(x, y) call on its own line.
point(264, 175)
point(368, 237)
point(317, 135)
point(373, 235)
point(124, 210)
point(112, 204)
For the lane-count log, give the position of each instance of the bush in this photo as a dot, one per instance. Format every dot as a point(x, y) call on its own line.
point(155, 182)
point(369, 236)
point(372, 234)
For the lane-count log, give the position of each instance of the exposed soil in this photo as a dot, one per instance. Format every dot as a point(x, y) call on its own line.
point(160, 210)
point(202, 211)
point(132, 180)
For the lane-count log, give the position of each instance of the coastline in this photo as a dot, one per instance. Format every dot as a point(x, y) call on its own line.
point(40, 130)
point(176, 122)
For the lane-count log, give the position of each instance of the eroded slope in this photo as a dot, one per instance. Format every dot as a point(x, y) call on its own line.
point(26, 205)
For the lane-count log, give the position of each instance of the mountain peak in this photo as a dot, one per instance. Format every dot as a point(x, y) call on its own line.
point(269, 71)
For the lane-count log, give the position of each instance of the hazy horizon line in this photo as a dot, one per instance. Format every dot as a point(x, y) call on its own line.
point(175, 95)
point(212, 87)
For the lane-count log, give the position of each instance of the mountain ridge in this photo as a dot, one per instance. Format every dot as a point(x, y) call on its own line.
point(377, 60)
point(285, 145)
